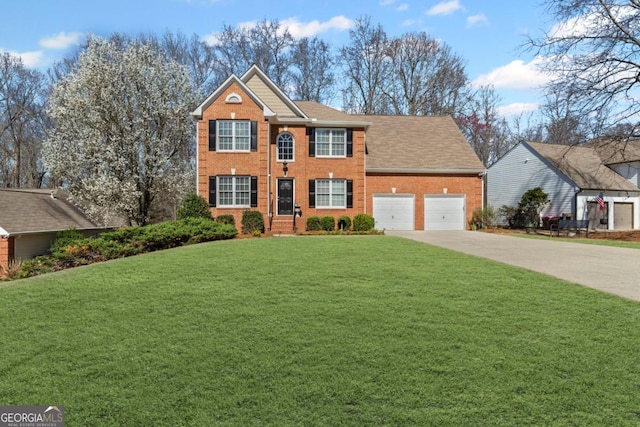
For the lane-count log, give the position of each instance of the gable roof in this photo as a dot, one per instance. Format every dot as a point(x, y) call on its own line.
point(270, 94)
point(39, 210)
point(415, 144)
point(582, 165)
point(197, 113)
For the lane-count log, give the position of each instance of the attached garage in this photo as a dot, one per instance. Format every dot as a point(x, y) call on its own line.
point(622, 216)
point(394, 211)
point(444, 212)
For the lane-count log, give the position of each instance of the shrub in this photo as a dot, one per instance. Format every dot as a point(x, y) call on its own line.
point(226, 219)
point(126, 242)
point(12, 269)
point(252, 221)
point(527, 213)
point(328, 223)
point(484, 217)
point(65, 238)
point(363, 222)
point(346, 221)
point(313, 223)
point(194, 206)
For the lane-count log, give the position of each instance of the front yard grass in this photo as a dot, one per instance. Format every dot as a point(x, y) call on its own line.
point(362, 330)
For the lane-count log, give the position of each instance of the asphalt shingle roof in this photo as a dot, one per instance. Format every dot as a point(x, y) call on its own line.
point(583, 166)
point(24, 211)
point(412, 143)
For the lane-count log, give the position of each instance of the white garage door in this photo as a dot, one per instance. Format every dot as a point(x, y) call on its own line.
point(444, 212)
point(394, 212)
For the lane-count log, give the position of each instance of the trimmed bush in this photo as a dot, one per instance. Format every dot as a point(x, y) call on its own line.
point(194, 206)
point(328, 223)
point(313, 223)
point(347, 222)
point(226, 219)
point(65, 238)
point(363, 222)
point(72, 249)
point(252, 221)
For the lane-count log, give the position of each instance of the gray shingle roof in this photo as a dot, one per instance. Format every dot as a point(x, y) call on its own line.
point(418, 143)
point(28, 211)
point(411, 143)
point(583, 166)
point(612, 151)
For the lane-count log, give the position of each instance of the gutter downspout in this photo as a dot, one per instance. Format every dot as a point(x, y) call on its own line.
point(197, 157)
point(269, 207)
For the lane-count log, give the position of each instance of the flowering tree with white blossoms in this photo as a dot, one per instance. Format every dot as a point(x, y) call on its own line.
point(121, 116)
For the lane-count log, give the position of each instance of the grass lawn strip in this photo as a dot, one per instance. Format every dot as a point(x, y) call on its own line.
point(356, 330)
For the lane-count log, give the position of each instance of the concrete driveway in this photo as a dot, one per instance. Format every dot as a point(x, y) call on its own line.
point(609, 269)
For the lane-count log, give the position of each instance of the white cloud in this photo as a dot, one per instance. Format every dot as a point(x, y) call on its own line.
point(309, 29)
point(515, 75)
point(296, 28)
point(61, 40)
point(33, 59)
point(517, 108)
point(408, 22)
point(387, 2)
point(402, 7)
point(479, 19)
point(445, 8)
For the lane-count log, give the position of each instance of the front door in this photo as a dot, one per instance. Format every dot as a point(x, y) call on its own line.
point(285, 196)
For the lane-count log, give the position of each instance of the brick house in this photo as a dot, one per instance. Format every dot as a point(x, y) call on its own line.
point(258, 149)
point(30, 219)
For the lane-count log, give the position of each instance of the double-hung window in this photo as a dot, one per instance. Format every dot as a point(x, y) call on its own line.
point(331, 142)
point(234, 135)
point(331, 193)
point(234, 191)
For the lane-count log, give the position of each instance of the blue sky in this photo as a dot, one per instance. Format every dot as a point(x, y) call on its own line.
point(487, 34)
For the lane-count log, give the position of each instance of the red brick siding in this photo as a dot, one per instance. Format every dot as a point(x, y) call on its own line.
point(212, 163)
point(471, 186)
point(6, 251)
point(302, 169)
point(305, 168)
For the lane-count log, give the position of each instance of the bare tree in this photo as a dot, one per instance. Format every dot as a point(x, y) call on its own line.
point(312, 78)
point(426, 77)
point(121, 117)
point(594, 54)
point(267, 44)
point(486, 131)
point(22, 94)
point(366, 69)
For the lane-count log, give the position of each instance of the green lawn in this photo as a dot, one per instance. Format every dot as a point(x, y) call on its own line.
point(587, 241)
point(363, 330)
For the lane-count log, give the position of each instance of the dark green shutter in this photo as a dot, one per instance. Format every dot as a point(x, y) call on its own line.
point(212, 191)
point(312, 141)
point(212, 135)
point(254, 136)
point(349, 142)
point(312, 193)
point(254, 191)
point(349, 193)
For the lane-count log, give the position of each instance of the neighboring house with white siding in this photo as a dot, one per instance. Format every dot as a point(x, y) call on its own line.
point(573, 176)
point(30, 219)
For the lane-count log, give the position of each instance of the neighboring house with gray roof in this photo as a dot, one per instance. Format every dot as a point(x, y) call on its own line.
point(30, 219)
point(573, 177)
point(258, 149)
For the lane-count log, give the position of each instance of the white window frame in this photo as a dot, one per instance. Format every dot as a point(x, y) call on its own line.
point(332, 141)
point(293, 148)
point(331, 193)
point(234, 191)
point(234, 136)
